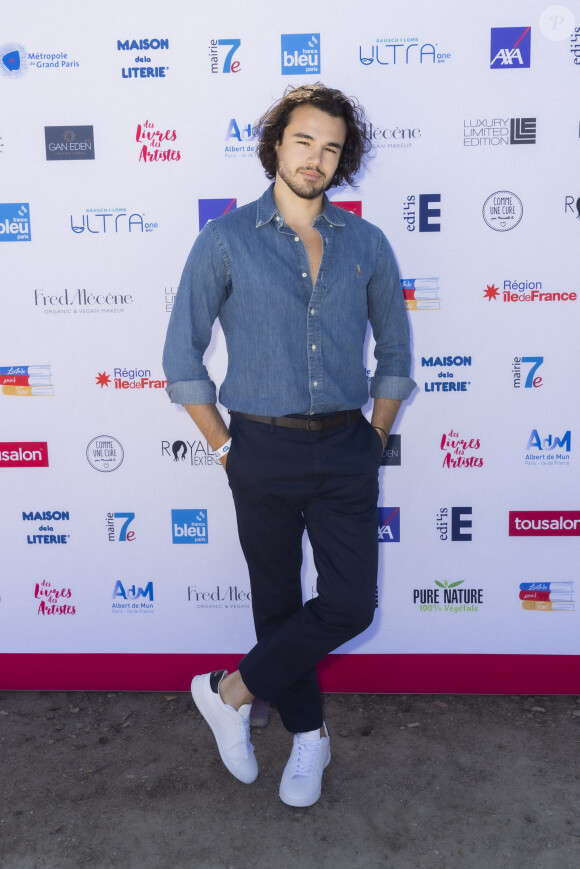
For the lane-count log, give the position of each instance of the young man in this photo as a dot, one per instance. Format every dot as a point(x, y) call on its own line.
point(294, 281)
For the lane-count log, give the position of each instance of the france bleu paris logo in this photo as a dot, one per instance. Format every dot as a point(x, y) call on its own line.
point(510, 47)
point(389, 524)
point(209, 209)
point(300, 53)
point(189, 526)
point(15, 221)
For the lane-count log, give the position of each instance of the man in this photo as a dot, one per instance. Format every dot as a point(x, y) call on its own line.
point(294, 281)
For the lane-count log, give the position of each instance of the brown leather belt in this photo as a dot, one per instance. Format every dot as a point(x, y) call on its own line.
point(325, 423)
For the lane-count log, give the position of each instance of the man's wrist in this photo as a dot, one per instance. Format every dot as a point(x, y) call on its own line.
point(223, 450)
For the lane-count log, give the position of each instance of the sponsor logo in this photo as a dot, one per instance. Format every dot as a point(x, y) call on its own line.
point(421, 212)
point(544, 523)
point(572, 206)
point(389, 519)
point(154, 143)
point(575, 46)
point(145, 57)
point(219, 597)
point(53, 600)
point(510, 47)
point(519, 370)
point(21, 454)
point(446, 362)
point(189, 526)
point(111, 221)
point(392, 452)
point(81, 302)
point(547, 596)
point(16, 60)
point(105, 453)
point(1, 146)
point(14, 221)
point(459, 452)
point(352, 205)
point(402, 51)
point(502, 210)
point(118, 527)
point(46, 518)
point(491, 132)
point(239, 138)
point(300, 53)
point(132, 599)
point(26, 380)
point(421, 294)
point(209, 209)
point(526, 291)
point(455, 525)
point(550, 450)
point(169, 294)
point(69, 143)
point(191, 453)
point(392, 137)
point(448, 597)
point(129, 378)
point(221, 56)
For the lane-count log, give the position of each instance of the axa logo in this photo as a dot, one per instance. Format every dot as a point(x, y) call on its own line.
point(510, 47)
point(300, 53)
point(389, 522)
point(209, 209)
point(221, 56)
point(189, 526)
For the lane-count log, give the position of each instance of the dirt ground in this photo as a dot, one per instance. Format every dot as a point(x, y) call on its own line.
point(134, 780)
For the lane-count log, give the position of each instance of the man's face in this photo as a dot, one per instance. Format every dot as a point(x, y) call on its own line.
point(308, 155)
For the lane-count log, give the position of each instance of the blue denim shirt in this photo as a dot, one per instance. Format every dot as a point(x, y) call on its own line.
point(292, 347)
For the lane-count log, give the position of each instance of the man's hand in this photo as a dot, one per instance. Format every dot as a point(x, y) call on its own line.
point(385, 411)
point(211, 425)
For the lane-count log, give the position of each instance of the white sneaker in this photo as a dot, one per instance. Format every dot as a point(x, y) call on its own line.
point(302, 777)
point(231, 728)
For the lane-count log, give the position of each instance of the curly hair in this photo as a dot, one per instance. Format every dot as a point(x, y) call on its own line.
point(270, 128)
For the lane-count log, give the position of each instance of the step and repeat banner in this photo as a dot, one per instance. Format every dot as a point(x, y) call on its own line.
point(123, 131)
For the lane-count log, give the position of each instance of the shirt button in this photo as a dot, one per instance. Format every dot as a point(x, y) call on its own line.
point(315, 383)
point(312, 311)
point(314, 346)
point(296, 238)
point(304, 275)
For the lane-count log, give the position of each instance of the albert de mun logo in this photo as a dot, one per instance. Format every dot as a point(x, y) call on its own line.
point(300, 53)
point(69, 143)
point(510, 47)
point(189, 526)
point(14, 221)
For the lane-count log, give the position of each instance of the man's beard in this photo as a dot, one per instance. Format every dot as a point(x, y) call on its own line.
point(302, 188)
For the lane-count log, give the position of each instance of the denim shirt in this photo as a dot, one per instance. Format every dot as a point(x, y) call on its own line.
point(293, 348)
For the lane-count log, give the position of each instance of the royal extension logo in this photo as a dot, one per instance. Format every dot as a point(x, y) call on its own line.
point(544, 523)
point(193, 454)
point(510, 47)
point(526, 291)
point(444, 363)
point(26, 380)
point(454, 524)
point(572, 206)
point(69, 143)
point(210, 209)
point(48, 520)
point(14, 221)
point(189, 526)
point(23, 454)
point(129, 378)
point(300, 53)
point(389, 520)
point(145, 58)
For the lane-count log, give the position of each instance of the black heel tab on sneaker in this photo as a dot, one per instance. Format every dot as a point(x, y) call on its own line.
point(215, 679)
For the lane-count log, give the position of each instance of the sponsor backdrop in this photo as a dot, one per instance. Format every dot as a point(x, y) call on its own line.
point(123, 132)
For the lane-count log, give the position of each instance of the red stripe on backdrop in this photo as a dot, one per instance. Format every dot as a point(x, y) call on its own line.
point(380, 674)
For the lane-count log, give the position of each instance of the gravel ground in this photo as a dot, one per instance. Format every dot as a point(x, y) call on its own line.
point(134, 780)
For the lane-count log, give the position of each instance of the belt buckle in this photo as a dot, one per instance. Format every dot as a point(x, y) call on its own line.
point(308, 421)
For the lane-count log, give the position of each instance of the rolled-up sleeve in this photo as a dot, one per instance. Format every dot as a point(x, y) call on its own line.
point(202, 289)
point(390, 325)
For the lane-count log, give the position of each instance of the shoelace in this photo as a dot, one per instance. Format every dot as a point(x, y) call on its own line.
point(306, 755)
point(244, 731)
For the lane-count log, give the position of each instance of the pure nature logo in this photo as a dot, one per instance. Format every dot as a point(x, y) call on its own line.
point(453, 601)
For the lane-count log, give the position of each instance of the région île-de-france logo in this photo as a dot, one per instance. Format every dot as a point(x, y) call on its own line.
point(300, 53)
point(448, 597)
point(105, 453)
point(23, 454)
point(111, 221)
point(544, 523)
point(458, 523)
point(53, 600)
point(118, 527)
point(221, 56)
point(153, 143)
point(26, 380)
point(239, 138)
point(548, 451)
point(132, 598)
point(189, 526)
point(446, 362)
point(69, 143)
point(492, 132)
point(421, 294)
point(526, 291)
point(14, 221)
point(547, 596)
point(389, 520)
point(510, 47)
point(130, 378)
point(145, 49)
point(502, 210)
point(531, 380)
point(402, 51)
point(457, 451)
point(16, 60)
point(209, 209)
point(422, 214)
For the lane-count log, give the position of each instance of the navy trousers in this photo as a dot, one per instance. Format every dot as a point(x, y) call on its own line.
point(285, 481)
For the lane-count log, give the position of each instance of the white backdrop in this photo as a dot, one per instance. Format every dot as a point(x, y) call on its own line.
point(124, 127)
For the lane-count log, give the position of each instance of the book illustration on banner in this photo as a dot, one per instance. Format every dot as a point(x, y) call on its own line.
point(421, 294)
point(34, 380)
point(548, 596)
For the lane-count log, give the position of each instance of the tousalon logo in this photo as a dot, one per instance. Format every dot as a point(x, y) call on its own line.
point(23, 454)
point(449, 380)
point(544, 523)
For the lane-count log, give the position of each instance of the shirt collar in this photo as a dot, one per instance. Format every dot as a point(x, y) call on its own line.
point(268, 211)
